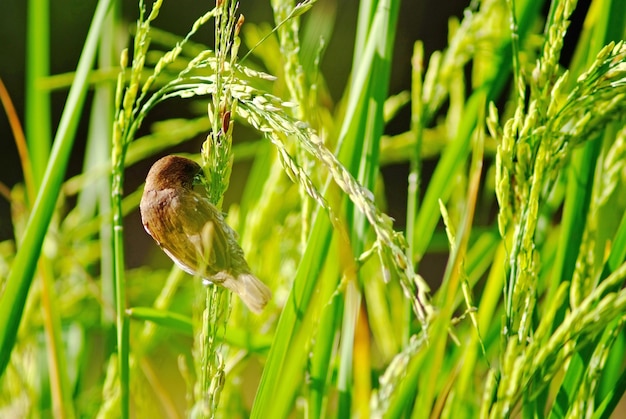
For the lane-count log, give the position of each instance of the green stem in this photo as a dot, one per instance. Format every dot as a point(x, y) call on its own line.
point(37, 99)
point(123, 346)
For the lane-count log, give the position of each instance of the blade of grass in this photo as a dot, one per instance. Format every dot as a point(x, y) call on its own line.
point(276, 392)
point(359, 151)
point(19, 280)
point(59, 385)
point(95, 197)
point(575, 210)
point(169, 319)
point(38, 127)
point(320, 368)
point(345, 383)
point(607, 406)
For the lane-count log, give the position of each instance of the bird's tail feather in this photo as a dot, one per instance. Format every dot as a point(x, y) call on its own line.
point(252, 291)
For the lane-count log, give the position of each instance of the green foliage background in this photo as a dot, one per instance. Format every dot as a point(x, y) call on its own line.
point(526, 320)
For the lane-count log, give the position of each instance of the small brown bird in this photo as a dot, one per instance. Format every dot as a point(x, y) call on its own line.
point(192, 231)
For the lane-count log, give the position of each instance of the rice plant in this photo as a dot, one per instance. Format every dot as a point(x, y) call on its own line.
point(525, 199)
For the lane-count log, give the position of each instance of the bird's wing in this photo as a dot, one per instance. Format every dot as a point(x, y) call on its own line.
point(162, 221)
point(205, 229)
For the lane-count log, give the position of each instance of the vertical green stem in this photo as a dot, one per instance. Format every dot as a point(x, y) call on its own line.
point(209, 360)
point(417, 128)
point(123, 346)
point(37, 100)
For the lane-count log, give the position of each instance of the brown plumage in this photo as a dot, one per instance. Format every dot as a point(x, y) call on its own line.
point(192, 231)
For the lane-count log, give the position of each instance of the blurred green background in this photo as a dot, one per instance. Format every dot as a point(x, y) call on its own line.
point(419, 20)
